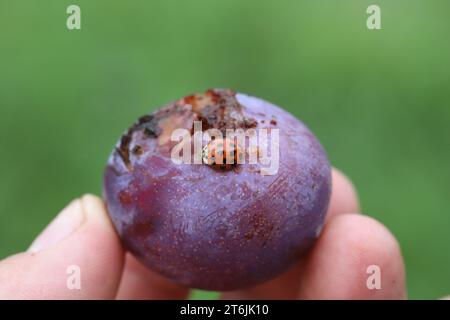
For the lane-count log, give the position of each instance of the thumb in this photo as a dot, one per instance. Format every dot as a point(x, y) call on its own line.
point(78, 256)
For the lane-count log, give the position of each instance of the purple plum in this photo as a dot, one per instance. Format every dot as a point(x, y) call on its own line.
point(212, 226)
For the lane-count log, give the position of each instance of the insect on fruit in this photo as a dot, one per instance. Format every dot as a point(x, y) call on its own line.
point(222, 153)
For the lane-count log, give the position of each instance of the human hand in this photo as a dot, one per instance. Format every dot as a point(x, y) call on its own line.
point(82, 235)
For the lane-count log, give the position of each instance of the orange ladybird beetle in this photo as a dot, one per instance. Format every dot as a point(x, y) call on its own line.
point(222, 153)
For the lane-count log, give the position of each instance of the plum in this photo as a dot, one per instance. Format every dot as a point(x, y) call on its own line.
point(213, 226)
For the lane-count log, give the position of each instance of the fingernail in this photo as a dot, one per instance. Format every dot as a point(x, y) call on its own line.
point(94, 209)
point(62, 226)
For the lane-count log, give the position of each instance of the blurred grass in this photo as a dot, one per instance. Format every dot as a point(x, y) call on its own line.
point(378, 100)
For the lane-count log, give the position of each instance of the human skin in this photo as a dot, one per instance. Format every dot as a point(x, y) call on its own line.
point(83, 234)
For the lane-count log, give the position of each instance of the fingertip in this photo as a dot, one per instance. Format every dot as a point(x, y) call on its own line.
point(63, 225)
point(94, 208)
point(344, 197)
point(81, 242)
point(351, 248)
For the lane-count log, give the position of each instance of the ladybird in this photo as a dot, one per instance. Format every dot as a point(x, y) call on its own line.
point(217, 151)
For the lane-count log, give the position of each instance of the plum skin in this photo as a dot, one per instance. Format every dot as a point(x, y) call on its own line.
point(217, 229)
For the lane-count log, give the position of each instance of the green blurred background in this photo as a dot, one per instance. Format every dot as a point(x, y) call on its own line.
point(378, 100)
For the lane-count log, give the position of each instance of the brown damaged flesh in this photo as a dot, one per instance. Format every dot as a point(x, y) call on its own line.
point(216, 109)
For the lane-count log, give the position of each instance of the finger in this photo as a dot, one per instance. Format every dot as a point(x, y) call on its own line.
point(78, 256)
point(353, 256)
point(139, 283)
point(343, 199)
